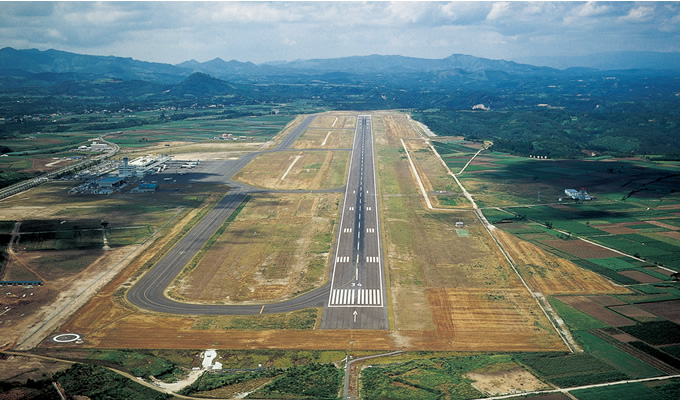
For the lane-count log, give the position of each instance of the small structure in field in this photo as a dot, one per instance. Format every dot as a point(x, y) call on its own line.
point(145, 188)
point(578, 195)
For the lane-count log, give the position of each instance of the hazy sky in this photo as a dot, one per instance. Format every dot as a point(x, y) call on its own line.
point(269, 31)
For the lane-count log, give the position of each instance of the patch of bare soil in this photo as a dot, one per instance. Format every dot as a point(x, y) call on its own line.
point(514, 380)
point(586, 305)
point(15, 368)
point(550, 274)
point(62, 297)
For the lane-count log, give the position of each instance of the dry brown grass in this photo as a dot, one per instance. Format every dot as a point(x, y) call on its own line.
point(345, 120)
point(435, 177)
point(325, 138)
point(277, 247)
point(552, 275)
point(312, 170)
point(473, 297)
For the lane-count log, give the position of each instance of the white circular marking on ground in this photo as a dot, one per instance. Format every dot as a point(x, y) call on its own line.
point(66, 338)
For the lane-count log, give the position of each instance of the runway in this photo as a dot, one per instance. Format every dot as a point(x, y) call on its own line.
point(357, 284)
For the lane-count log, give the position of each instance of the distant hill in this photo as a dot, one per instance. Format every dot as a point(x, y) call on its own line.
point(362, 65)
point(219, 67)
point(200, 84)
point(33, 67)
point(622, 60)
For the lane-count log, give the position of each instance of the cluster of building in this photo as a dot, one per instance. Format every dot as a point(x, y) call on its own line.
point(578, 194)
point(141, 166)
point(128, 171)
point(94, 147)
point(229, 136)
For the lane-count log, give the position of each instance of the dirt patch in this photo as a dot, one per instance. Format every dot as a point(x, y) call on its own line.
point(15, 368)
point(553, 275)
point(640, 276)
point(335, 120)
point(615, 230)
point(512, 380)
point(585, 305)
point(580, 249)
point(672, 234)
point(662, 271)
point(663, 225)
point(635, 313)
point(606, 301)
point(32, 311)
point(478, 317)
point(667, 309)
point(624, 337)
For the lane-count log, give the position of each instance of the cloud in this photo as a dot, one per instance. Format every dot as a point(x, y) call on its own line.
point(265, 31)
point(639, 14)
point(498, 11)
point(591, 9)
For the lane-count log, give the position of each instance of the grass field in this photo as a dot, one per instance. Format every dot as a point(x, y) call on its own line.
point(276, 247)
point(457, 377)
point(296, 170)
point(631, 391)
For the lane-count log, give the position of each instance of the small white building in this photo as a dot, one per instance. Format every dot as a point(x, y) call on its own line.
point(578, 195)
point(96, 146)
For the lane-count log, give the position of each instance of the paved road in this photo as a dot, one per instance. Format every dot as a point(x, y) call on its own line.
point(357, 294)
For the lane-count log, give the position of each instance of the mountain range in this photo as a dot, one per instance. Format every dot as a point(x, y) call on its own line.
point(31, 67)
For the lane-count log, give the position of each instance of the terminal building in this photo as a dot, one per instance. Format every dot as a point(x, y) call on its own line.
point(141, 166)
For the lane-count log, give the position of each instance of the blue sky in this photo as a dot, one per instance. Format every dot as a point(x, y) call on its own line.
point(173, 32)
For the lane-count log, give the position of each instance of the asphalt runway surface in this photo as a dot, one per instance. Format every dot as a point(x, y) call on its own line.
point(370, 304)
point(357, 293)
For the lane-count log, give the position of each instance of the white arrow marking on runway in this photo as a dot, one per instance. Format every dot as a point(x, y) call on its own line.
point(355, 315)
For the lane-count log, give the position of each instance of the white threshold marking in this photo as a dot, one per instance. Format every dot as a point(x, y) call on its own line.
point(342, 259)
point(347, 230)
point(366, 297)
point(372, 259)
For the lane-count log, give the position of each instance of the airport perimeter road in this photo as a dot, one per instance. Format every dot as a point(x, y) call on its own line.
point(357, 297)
